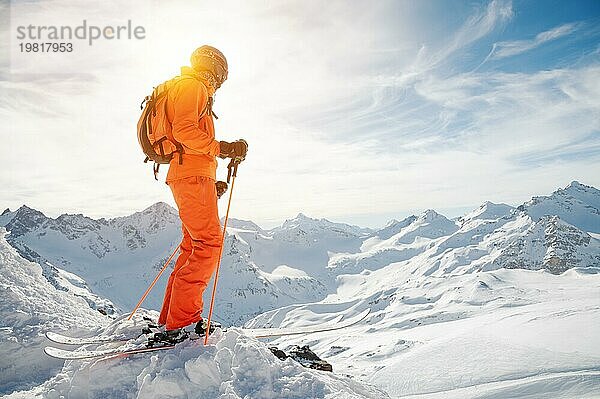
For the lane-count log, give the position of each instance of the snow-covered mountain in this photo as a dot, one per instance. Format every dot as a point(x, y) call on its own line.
point(302, 243)
point(500, 302)
point(507, 333)
point(532, 236)
point(30, 305)
point(118, 258)
point(244, 290)
point(300, 260)
point(412, 236)
point(576, 204)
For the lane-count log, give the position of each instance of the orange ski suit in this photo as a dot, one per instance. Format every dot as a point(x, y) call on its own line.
point(193, 186)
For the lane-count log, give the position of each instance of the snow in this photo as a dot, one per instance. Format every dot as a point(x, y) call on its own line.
point(503, 331)
point(286, 271)
point(502, 302)
point(232, 366)
point(429, 224)
point(576, 204)
point(488, 211)
point(30, 306)
point(118, 258)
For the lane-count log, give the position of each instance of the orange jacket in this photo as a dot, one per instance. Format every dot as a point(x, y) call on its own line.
point(193, 127)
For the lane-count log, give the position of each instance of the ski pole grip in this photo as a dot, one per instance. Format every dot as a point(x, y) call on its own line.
point(232, 168)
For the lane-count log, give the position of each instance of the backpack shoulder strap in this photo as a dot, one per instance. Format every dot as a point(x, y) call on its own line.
point(208, 108)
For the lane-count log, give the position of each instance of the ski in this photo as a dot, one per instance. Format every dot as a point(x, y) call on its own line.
point(94, 340)
point(58, 338)
point(99, 353)
point(252, 332)
point(67, 340)
point(285, 331)
point(77, 354)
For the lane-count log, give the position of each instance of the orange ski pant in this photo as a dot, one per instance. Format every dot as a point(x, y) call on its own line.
point(196, 198)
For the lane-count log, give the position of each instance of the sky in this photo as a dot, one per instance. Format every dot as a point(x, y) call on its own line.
point(354, 111)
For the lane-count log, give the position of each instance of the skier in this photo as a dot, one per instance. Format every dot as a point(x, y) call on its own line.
point(191, 179)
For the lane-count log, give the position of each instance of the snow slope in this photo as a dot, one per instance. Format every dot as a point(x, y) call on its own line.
point(410, 238)
point(244, 290)
point(495, 334)
point(233, 366)
point(502, 304)
point(29, 306)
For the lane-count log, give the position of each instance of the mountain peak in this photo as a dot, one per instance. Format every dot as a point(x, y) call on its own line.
point(302, 216)
point(25, 219)
point(24, 209)
point(300, 219)
point(576, 204)
point(429, 215)
point(151, 220)
point(577, 185)
point(391, 223)
point(488, 211)
point(429, 224)
point(393, 227)
point(159, 206)
point(576, 188)
point(7, 210)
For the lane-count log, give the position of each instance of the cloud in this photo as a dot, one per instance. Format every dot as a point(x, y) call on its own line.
point(519, 115)
point(512, 48)
point(348, 112)
point(381, 106)
point(477, 26)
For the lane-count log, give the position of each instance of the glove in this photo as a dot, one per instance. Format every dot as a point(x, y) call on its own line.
point(237, 149)
point(221, 188)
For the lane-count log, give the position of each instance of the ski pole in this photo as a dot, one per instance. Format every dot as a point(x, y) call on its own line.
point(232, 172)
point(152, 285)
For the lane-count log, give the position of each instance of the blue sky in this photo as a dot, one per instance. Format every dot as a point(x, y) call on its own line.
point(354, 111)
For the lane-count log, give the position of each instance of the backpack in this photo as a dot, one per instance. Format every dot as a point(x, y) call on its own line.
point(154, 129)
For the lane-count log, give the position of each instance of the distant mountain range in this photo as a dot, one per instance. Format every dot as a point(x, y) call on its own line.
point(300, 260)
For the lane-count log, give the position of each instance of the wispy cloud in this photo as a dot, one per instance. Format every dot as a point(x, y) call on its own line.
point(477, 26)
point(348, 111)
point(512, 48)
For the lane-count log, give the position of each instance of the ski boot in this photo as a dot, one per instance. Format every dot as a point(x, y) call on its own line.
point(168, 337)
point(200, 328)
point(152, 327)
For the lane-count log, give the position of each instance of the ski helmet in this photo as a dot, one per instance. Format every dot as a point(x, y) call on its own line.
point(208, 58)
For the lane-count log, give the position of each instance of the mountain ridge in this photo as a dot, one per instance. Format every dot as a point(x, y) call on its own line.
point(308, 254)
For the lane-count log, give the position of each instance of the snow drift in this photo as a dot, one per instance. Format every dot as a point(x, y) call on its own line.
point(233, 366)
